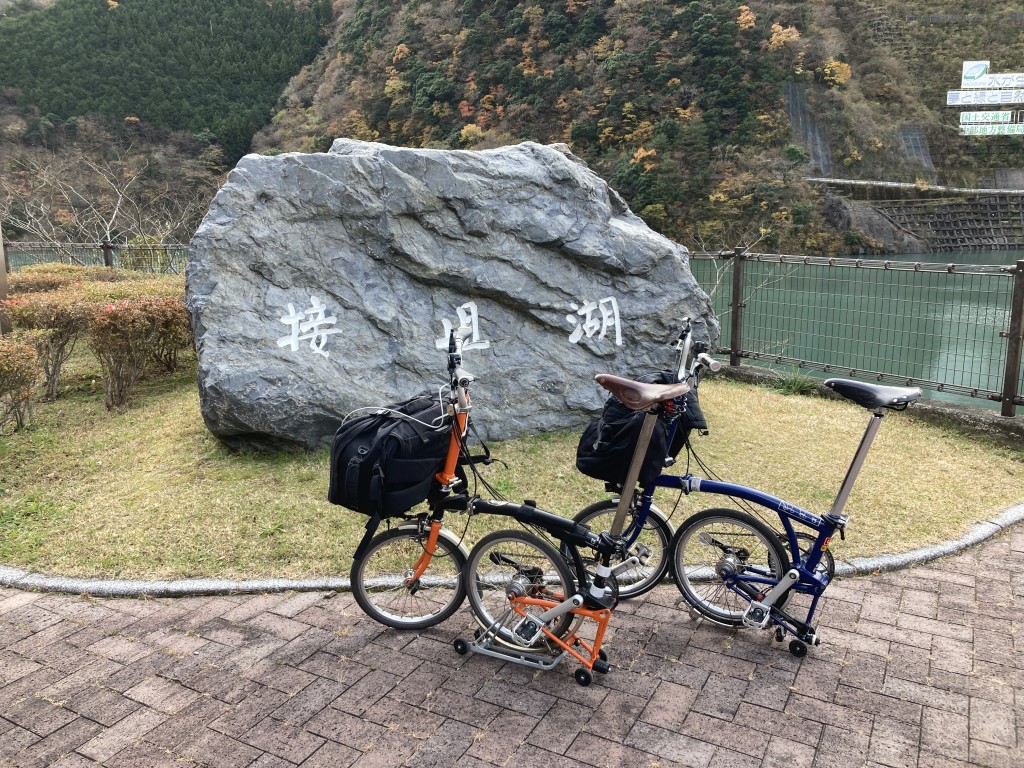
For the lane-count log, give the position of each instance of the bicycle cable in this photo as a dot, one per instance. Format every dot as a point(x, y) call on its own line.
point(743, 504)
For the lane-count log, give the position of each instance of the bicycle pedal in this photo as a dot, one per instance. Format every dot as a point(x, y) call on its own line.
point(643, 553)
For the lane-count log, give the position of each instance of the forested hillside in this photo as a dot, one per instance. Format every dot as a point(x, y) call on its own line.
point(210, 67)
point(707, 116)
point(680, 105)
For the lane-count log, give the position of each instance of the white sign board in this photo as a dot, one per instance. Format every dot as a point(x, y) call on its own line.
point(986, 117)
point(999, 129)
point(1014, 96)
point(976, 75)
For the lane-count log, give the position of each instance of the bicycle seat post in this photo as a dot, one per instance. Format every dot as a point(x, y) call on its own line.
point(626, 497)
point(855, 466)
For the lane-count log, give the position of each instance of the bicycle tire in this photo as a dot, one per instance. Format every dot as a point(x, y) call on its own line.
point(379, 580)
point(656, 535)
point(515, 559)
point(699, 551)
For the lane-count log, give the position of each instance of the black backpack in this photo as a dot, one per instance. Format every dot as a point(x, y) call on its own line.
point(606, 447)
point(383, 463)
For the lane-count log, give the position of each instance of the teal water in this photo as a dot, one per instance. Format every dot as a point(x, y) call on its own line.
point(921, 326)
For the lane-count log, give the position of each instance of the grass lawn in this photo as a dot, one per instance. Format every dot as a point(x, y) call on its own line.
point(149, 493)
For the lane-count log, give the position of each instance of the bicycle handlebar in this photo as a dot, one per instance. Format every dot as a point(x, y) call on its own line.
point(709, 362)
point(460, 377)
point(690, 364)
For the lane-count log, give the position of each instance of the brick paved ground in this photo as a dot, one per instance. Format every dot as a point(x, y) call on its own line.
point(919, 668)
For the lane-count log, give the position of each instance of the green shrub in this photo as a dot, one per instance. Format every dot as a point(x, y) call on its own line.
point(30, 280)
point(149, 286)
point(19, 374)
point(55, 276)
point(174, 331)
point(64, 316)
point(126, 334)
point(166, 308)
point(111, 275)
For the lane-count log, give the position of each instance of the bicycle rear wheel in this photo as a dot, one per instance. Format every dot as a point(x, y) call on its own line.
point(381, 580)
point(720, 545)
point(656, 535)
point(518, 563)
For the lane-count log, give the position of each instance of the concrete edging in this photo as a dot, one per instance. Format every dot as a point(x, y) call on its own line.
point(865, 566)
point(16, 578)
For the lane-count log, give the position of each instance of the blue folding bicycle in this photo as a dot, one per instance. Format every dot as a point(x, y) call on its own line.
point(732, 567)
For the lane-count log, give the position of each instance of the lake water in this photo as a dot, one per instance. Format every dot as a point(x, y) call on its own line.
point(927, 325)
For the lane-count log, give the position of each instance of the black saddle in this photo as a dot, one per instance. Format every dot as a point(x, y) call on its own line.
point(874, 396)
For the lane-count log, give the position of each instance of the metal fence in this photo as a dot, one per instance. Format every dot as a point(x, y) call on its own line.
point(953, 328)
point(163, 258)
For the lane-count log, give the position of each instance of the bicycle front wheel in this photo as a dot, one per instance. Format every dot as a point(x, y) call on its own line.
point(512, 562)
point(717, 546)
point(656, 535)
point(383, 586)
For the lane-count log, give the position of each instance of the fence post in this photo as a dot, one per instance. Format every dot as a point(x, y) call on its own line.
point(108, 253)
point(1013, 342)
point(736, 332)
point(4, 325)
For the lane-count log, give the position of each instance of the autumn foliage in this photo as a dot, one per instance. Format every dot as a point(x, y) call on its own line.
point(123, 336)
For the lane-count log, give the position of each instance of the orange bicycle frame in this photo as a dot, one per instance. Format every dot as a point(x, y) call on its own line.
point(601, 617)
point(445, 478)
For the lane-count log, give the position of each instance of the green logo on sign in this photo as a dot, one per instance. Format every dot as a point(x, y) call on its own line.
point(974, 70)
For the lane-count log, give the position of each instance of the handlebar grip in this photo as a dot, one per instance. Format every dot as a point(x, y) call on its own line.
point(709, 362)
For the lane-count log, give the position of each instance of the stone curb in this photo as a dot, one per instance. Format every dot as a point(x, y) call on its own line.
point(16, 578)
point(865, 566)
point(38, 582)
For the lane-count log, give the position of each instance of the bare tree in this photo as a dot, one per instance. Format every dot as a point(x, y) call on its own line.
point(70, 197)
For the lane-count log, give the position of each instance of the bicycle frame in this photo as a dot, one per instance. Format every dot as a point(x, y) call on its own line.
point(802, 574)
point(520, 606)
point(809, 580)
point(447, 478)
point(589, 601)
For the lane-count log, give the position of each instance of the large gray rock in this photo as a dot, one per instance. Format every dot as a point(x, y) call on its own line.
point(322, 283)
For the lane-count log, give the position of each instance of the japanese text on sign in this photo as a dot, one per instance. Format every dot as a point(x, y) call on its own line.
point(315, 330)
point(595, 318)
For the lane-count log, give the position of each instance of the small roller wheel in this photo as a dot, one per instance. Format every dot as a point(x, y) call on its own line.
point(601, 666)
point(461, 646)
point(798, 648)
point(602, 655)
point(583, 677)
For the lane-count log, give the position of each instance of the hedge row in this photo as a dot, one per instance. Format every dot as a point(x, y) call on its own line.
point(129, 320)
point(19, 374)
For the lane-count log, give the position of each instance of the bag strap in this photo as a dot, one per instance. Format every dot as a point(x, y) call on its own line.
point(371, 528)
point(484, 459)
